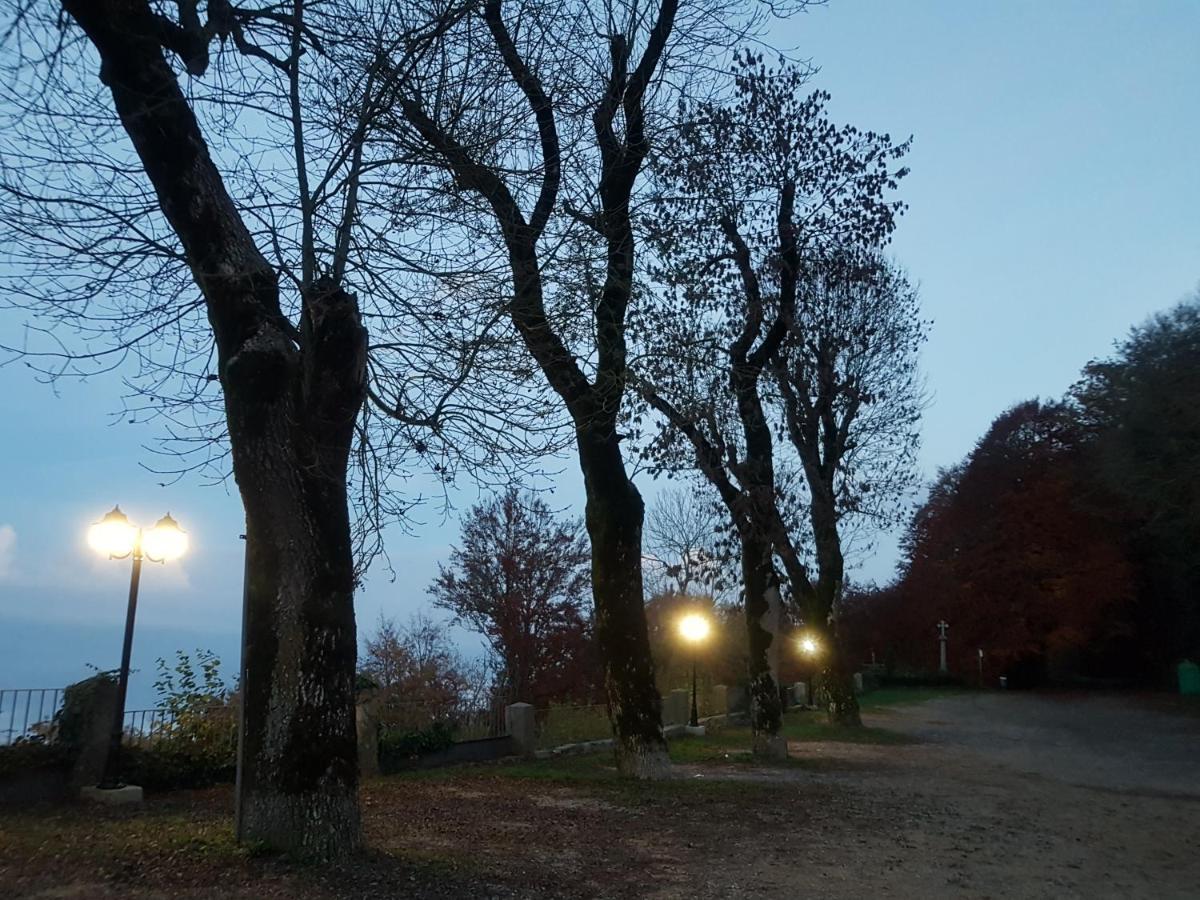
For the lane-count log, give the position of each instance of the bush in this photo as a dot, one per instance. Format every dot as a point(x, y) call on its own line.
point(174, 765)
point(396, 748)
point(33, 754)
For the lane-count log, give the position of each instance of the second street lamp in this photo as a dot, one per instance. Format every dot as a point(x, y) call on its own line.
point(117, 538)
point(694, 628)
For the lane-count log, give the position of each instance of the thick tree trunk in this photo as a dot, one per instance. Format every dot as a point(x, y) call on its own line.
point(838, 679)
point(614, 523)
point(764, 614)
point(299, 770)
point(290, 411)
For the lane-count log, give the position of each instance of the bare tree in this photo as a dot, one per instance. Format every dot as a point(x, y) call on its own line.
point(544, 115)
point(209, 217)
point(851, 401)
point(761, 189)
point(683, 532)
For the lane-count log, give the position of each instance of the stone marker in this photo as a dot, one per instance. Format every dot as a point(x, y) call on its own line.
point(97, 708)
point(858, 682)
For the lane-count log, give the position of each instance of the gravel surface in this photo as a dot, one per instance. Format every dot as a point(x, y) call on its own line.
point(996, 795)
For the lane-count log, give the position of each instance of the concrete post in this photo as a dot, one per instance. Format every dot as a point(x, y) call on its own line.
point(519, 719)
point(858, 682)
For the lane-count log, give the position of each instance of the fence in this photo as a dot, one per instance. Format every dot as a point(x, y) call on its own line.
point(466, 722)
point(28, 713)
point(148, 727)
point(555, 726)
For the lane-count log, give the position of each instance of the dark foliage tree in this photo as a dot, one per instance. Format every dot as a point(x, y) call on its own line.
point(544, 115)
point(1142, 423)
point(851, 400)
point(760, 190)
point(519, 577)
point(1011, 551)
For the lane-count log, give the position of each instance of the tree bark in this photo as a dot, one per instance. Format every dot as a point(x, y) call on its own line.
point(614, 523)
point(763, 621)
point(838, 680)
point(290, 411)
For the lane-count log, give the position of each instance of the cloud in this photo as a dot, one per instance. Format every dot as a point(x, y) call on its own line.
point(8, 551)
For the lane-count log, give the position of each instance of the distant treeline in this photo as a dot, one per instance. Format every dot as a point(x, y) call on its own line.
point(1066, 545)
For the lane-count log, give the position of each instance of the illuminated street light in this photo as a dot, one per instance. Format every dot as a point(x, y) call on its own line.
point(695, 628)
point(116, 537)
point(809, 646)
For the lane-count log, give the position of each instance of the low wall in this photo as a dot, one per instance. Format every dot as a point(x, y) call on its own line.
point(481, 750)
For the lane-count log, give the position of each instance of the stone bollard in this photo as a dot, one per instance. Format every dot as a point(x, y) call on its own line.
point(519, 719)
point(677, 707)
point(858, 682)
point(366, 722)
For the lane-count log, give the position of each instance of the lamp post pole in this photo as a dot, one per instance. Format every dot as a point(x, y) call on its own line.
point(112, 764)
point(695, 722)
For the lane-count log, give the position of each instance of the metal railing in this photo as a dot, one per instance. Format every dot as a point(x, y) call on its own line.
point(467, 722)
point(555, 726)
point(28, 713)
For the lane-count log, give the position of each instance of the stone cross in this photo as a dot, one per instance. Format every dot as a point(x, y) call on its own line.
point(941, 627)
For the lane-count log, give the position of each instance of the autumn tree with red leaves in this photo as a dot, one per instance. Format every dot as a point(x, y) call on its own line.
point(520, 578)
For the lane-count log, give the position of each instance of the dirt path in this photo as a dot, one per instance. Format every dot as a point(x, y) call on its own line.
point(997, 796)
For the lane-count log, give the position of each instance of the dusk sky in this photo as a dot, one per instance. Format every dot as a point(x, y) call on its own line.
point(1054, 202)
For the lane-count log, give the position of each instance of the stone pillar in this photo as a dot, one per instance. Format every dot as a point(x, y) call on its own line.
point(858, 682)
point(677, 707)
point(366, 721)
point(519, 719)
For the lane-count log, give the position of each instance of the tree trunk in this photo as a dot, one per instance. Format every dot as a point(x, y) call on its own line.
point(290, 410)
point(291, 449)
point(764, 612)
point(838, 680)
point(614, 523)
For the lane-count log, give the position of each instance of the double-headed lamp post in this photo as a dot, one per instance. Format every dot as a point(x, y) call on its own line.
point(694, 628)
point(116, 537)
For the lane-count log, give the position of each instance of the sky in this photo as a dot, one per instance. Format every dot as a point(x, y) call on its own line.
point(1053, 204)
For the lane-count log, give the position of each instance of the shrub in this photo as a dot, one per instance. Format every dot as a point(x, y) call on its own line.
point(397, 748)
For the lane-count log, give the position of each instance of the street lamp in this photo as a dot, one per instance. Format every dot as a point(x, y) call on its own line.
point(694, 628)
point(810, 648)
point(116, 537)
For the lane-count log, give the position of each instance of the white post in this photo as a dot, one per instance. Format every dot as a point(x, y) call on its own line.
point(942, 626)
